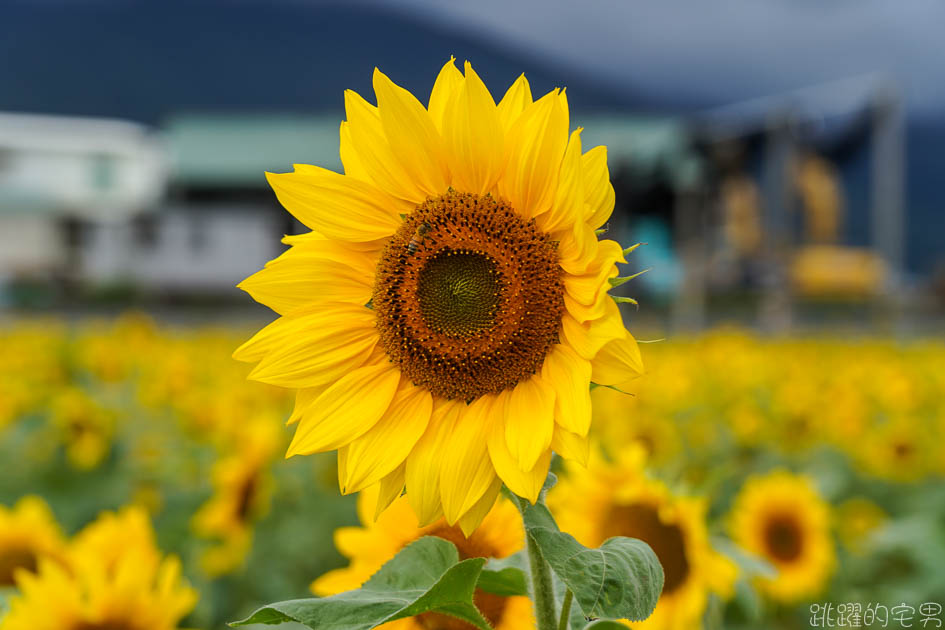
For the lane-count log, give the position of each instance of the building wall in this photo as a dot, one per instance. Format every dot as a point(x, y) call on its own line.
point(30, 244)
point(183, 248)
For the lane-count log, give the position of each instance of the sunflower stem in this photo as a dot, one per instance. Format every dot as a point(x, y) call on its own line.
point(543, 595)
point(565, 611)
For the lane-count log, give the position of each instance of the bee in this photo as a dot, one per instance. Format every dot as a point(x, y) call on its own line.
point(417, 238)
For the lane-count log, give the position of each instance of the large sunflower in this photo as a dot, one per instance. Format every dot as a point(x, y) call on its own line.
point(370, 546)
point(618, 499)
point(781, 518)
point(116, 580)
point(446, 315)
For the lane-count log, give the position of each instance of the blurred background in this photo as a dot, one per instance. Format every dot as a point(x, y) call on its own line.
point(781, 160)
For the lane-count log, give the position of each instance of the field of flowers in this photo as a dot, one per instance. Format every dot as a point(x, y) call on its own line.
point(782, 483)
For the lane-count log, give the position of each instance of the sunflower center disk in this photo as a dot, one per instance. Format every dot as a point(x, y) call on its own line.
point(783, 537)
point(459, 293)
point(468, 296)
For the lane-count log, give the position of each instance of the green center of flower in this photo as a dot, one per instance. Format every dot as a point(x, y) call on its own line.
point(459, 292)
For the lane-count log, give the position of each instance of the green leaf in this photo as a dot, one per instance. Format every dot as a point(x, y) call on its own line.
point(505, 576)
point(426, 576)
point(621, 579)
point(619, 280)
point(604, 624)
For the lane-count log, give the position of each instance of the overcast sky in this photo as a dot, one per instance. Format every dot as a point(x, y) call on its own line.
point(720, 50)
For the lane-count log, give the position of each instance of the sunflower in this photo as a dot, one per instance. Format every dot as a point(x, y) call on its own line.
point(858, 519)
point(85, 428)
point(607, 500)
point(117, 580)
point(781, 518)
point(444, 318)
point(28, 533)
point(899, 449)
point(624, 419)
point(368, 547)
point(242, 489)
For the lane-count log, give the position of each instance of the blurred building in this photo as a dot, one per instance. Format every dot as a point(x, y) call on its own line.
point(59, 176)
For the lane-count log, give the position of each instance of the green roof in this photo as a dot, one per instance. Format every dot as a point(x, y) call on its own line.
point(228, 150)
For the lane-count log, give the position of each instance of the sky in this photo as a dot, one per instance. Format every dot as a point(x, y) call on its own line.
point(709, 53)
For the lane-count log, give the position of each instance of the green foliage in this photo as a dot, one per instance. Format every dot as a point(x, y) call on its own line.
point(426, 576)
point(621, 579)
point(505, 576)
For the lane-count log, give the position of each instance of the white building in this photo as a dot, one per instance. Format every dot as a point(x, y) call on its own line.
point(57, 173)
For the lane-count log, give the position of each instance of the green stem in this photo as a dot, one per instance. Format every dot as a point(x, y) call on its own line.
point(543, 595)
point(565, 611)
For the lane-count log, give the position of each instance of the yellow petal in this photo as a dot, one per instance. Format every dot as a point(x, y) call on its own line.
point(422, 475)
point(413, 138)
point(349, 157)
point(336, 205)
point(529, 420)
point(617, 362)
point(563, 98)
point(577, 248)
point(597, 187)
point(474, 137)
point(588, 338)
point(583, 313)
point(313, 271)
point(516, 99)
point(570, 376)
point(312, 346)
point(304, 398)
point(386, 445)
point(369, 142)
point(346, 410)
point(534, 148)
point(526, 483)
point(586, 288)
point(568, 206)
point(389, 488)
point(446, 87)
point(570, 445)
point(342, 453)
point(471, 519)
point(466, 472)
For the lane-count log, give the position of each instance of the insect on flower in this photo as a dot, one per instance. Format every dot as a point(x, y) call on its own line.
point(414, 243)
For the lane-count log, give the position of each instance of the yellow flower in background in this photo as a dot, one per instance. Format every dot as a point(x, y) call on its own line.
point(898, 450)
point(446, 315)
point(857, 519)
point(606, 500)
point(622, 419)
point(368, 547)
point(28, 533)
point(242, 490)
point(781, 518)
point(117, 580)
point(85, 427)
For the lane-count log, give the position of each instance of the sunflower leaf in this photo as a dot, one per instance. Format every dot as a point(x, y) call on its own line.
point(505, 576)
point(621, 579)
point(424, 577)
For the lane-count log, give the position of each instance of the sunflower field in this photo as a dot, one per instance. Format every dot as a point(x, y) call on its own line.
point(782, 483)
